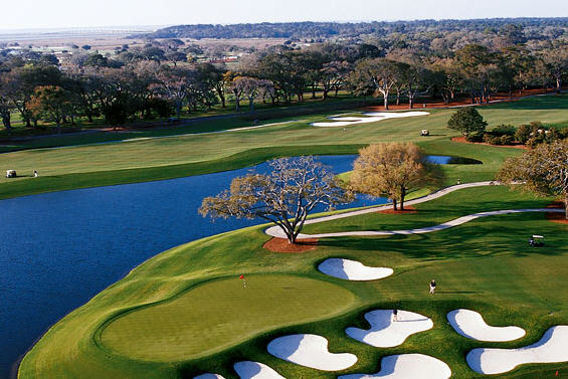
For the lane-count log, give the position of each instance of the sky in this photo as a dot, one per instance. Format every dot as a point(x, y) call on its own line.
point(25, 14)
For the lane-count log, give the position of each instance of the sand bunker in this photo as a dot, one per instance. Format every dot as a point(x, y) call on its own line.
point(310, 350)
point(209, 376)
point(408, 366)
point(387, 333)
point(470, 324)
point(369, 117)
point(353, 270)
point(552, 348)
point(250, 370)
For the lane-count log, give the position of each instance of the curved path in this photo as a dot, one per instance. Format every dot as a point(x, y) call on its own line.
point(275, 231)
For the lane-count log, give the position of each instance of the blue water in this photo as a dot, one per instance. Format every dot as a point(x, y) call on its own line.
point(60, 249)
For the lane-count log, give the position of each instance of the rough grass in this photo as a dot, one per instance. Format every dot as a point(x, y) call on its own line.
point(484, 265)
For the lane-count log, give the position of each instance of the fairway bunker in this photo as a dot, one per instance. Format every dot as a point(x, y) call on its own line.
point(365, 119)
point(310, 350)
point(471, 324)
point(353, 270)
point(250, 370)
point(408, 366)
point(552, 348)
point(385, 332)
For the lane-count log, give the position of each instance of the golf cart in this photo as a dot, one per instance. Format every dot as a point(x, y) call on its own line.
point(536, 241)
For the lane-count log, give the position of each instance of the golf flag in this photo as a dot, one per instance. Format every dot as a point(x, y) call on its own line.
point(241, 277)
point(556, 372)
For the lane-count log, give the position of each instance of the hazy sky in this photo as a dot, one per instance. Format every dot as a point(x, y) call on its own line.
point(76, 13)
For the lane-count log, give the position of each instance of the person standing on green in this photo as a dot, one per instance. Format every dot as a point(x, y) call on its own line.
point(432, 286)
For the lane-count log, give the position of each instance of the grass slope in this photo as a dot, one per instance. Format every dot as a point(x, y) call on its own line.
point(485, 265)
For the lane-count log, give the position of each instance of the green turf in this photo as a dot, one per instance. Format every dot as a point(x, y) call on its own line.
point(143, 160)
point(449, 207)
point(484, 265)
point(219, 313)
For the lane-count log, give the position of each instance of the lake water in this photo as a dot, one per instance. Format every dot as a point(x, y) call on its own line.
point(60, 249)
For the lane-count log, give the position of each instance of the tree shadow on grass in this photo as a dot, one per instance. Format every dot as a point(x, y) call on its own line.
point(483, 237)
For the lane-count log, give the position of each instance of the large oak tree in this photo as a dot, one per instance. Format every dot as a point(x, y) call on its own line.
point(285, 196)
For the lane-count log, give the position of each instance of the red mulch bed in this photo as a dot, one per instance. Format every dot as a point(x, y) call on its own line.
point(558, 218)
point(407, 210)
point(281, 245)
point(463, 140)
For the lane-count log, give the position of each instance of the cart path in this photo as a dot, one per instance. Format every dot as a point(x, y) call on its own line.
point(275, 231)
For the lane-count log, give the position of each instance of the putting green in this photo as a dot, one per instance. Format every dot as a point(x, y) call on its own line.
point(177, 329)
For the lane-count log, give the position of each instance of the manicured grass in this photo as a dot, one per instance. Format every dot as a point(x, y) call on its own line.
point(449, 207)
point(224, 151)
point(215, 120)
point(178, 330)
point(484, 265)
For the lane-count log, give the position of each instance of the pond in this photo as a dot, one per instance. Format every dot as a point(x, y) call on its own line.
point(60, 249)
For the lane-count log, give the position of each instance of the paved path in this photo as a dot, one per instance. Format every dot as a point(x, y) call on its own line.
point(275, 231)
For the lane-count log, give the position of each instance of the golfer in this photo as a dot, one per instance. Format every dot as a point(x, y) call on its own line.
point(432, 286)
point(395, 315)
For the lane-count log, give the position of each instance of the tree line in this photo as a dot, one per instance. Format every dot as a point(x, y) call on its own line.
point(162, 80)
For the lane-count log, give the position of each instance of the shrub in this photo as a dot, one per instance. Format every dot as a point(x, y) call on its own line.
point(475, 137)
point(523, 133)
point(504, 130)
point(506, 139)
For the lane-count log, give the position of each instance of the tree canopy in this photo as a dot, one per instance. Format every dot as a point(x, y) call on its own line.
point(389, 169)
point(542, 170)
point(468, 121)
point(285, 196)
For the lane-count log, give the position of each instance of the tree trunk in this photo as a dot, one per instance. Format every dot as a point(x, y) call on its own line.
point(386, 100)
point(566, 207)
point(394, 204)
point(402, 196)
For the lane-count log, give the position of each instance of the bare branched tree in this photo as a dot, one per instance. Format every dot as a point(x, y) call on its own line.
point(285, 196)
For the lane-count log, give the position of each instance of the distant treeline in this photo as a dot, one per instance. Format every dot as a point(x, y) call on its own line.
point(324, 30)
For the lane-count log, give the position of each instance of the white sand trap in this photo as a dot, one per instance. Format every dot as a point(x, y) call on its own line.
point(256, 370)
point(471, 324)
point(387, 333)
point(311, 351)
point(552, 348)
point(353, 270)
point(370, 117)
point(209, 376)
point(407, 366)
